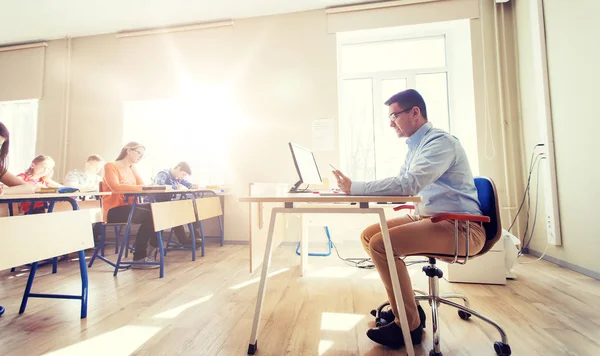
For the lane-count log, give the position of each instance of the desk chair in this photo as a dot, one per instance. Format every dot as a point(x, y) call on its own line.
point(488, 200)
point(99, 250)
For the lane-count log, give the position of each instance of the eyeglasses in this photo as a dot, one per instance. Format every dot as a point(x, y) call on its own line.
point(393, 116)
point(139, 153)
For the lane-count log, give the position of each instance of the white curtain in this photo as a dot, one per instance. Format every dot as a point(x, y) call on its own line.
point(20, 117)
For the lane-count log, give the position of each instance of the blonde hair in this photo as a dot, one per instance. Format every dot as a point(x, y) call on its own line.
point(39, 159)
point(126, 148)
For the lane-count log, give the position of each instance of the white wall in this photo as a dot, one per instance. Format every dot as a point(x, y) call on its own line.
point(573, 57)
point(282, 74)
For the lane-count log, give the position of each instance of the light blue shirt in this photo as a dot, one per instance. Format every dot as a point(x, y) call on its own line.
point(436, 168)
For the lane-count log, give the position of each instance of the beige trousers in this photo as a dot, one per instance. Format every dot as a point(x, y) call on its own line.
point(413, 235)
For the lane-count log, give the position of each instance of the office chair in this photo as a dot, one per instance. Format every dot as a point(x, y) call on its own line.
point(488, 200)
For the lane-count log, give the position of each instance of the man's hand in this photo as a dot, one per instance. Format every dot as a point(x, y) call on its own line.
point(343, 182)
point(196, 186)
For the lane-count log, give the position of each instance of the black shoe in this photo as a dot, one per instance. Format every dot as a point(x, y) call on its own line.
point(387, 316)
point(188, 242)
point(390, 335)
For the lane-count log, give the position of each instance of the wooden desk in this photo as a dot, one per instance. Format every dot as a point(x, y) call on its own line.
point(299, 203)
point(57, 202)
point(170, 193)
point(52, 199)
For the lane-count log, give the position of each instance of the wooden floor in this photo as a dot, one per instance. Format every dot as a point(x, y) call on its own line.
point(206, 308)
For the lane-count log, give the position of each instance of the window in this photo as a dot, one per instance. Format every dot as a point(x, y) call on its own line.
point(376, 64)
point(20, 117)
point(174, 130)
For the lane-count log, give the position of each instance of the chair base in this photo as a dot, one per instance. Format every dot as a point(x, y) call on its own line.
point(464, 311)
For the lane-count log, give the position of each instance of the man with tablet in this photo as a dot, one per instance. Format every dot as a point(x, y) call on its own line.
point(437, 169)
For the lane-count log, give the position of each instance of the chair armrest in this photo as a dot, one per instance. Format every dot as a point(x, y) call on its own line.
point(460, 217)
point(404, 207)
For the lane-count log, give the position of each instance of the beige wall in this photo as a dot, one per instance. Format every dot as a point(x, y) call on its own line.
point(282, 71)
point(573, 78)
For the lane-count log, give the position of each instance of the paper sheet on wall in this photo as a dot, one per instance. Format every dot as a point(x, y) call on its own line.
point(323, 135)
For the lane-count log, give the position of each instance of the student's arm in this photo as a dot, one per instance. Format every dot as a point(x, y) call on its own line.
point(72, 180)
point(161, 178)
point(186, 184)
point(15, 185)
point(138, 179)
point(52, 184)
point(111, 178)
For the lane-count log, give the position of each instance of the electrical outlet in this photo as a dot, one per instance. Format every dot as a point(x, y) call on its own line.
point(550, 230)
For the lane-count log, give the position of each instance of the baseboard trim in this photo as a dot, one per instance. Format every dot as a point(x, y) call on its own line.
point(569, 265)
point(236, 242)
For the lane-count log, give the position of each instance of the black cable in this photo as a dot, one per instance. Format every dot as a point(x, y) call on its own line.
point(354, 262)
point(537, 195)
point(532, 163)
point(359, 261)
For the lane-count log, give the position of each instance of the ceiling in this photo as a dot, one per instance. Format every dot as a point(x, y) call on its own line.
point(31, 20)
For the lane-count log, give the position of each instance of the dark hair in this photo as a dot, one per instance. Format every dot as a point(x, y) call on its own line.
point(408, 99)
point(96, 158)
point(184, 166)
point(126, 148)
point(4, 150)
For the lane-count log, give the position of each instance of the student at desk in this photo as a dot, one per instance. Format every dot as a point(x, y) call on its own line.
point(176, 179)
point(87, 179)
point(39, 174)
point(121, 176)
point(437, 169)
point(9, 183)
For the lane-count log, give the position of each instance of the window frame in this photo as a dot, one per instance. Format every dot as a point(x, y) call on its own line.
point(439, 30)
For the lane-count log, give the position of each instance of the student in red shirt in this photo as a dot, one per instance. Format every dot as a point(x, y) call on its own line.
point(39, 174)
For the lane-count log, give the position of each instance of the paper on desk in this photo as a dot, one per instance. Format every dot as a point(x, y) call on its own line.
point(323, 135)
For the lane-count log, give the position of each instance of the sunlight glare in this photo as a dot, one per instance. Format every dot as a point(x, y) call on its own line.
point(339, 321)
point(324, 346)
point(174, 312)
point(122, 341)
point(373, 275)
point(332, 272)
point(254, 280)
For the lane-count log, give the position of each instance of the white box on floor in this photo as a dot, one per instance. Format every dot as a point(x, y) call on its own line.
point(486, 269)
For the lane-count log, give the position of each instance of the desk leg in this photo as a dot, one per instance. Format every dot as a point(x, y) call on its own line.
point(389, 253)
point(252, 347)
point(84, 284)
point(303, 244)
point(28, 287)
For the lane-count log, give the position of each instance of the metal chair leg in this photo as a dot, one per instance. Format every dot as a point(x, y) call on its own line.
point(418, 291)
point(457, 296)
point(434, 302)
point(479, 315)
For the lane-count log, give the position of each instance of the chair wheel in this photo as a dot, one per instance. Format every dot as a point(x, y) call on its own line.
point(433, 353)
point(502, 349)
point(464, 315)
